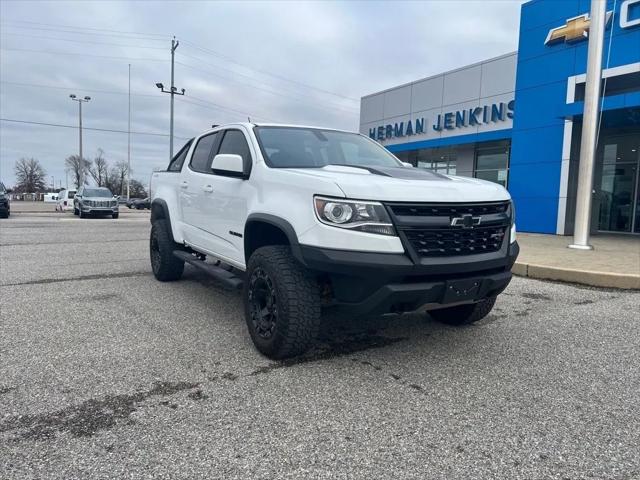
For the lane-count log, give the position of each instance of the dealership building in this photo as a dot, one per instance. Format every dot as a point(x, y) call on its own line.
point(517, 119)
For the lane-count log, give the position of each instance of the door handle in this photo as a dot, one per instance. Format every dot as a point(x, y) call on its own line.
point(184, 184)
point(207, 188)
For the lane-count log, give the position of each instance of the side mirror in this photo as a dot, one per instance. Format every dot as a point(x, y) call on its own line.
point(407, 164)
point(230, 165)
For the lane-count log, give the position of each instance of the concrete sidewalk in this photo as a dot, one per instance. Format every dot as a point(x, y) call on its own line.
point(614, 262)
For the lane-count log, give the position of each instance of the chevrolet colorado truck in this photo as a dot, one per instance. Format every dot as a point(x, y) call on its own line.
point(308, 219)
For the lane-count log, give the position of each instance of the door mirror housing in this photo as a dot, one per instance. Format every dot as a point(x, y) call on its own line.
point(230, 165)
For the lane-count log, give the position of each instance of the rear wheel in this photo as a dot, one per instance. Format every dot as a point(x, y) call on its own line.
point(464, 314)
point(165, 265)
point(282, 303)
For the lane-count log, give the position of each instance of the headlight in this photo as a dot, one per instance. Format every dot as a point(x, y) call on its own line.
point(370, 217)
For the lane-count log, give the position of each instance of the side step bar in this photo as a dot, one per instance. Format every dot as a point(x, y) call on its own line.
point(220, 274)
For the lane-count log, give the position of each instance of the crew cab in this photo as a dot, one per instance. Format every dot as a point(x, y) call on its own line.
point(309, 219)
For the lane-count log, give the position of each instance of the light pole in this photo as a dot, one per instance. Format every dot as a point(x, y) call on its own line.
point(172, 91)
point(129, 141)
point(80, 100)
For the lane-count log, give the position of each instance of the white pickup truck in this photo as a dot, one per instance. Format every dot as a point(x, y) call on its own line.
point(309, 219)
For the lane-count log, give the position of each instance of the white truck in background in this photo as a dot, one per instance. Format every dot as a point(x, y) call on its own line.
point(309, 219)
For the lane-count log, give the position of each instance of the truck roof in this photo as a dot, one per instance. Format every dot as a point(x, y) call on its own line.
point(249, 125)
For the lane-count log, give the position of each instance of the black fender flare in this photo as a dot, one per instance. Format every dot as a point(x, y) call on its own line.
point(160, 204)
point(283, 225)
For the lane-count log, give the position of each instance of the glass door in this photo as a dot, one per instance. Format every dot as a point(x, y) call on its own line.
point(618, 188)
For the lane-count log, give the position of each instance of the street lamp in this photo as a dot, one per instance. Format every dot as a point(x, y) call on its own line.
point(80, 100)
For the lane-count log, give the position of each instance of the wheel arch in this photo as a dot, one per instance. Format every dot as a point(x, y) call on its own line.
point(263, 229)
point(160, 210)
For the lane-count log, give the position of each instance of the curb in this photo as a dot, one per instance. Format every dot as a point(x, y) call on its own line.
point(583, 277)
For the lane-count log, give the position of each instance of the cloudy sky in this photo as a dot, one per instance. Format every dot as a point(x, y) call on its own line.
point(292, 62)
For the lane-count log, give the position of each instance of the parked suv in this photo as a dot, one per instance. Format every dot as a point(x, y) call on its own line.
point(5, 207)
point(95, 201)
point(65, 200)
point(315, 219)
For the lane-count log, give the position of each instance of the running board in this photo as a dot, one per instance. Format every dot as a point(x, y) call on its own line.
point(220, 274)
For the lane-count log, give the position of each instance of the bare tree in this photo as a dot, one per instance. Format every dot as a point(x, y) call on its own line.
point(116, 178)
point(30, 176)
point(137, 189)
point(100, 168)
point(121, 169)
point(79, 168)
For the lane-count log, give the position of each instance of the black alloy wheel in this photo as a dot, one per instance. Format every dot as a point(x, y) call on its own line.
point(263, 303)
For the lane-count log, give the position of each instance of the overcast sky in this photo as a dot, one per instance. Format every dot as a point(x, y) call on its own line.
point(288, 62)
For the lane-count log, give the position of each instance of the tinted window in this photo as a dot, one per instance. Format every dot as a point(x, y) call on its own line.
point(200, 158)
point(178, 160)
point(294, 147)
point(234, 143)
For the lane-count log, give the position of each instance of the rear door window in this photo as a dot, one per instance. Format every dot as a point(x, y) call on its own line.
point(178, 159)
point(200, 160)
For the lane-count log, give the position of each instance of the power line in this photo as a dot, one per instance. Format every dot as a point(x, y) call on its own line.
point(85, 28)
point(78, 32)
point(91, 90)
point(264, 72)
point(209, 104)
point(83, 55)
point(297, 95)
point(273, 92)
point(82, 42)
point(208, 51)
point(30, 122)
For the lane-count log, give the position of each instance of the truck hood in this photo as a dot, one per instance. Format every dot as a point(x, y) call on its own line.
point(401, 184)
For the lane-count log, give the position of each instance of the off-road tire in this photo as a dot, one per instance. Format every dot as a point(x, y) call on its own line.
point(464, 314)
point(297, 303)
point(166, 266)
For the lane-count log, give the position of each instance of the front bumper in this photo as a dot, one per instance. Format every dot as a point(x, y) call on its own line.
point(99, 210)
point(364, 283)
point(4, 207)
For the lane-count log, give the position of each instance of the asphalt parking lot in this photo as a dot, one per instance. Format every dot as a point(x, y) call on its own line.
point(107, 373)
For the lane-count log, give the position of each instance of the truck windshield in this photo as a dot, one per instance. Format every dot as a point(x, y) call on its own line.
point(296, 147)
point(97, 192)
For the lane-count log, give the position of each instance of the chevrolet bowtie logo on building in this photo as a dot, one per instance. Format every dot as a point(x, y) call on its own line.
point(465, 221)
point(574, 30)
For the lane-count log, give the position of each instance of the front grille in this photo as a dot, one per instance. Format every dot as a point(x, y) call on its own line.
point(441, 230)
point(418, 210)
point(449, 242)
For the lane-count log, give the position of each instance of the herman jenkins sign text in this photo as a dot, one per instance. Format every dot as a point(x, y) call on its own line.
point(494, 113)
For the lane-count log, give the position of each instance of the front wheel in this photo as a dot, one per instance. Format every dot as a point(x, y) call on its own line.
point(80, 214)
point(114, 215)
point(75, 211)
point(165, 265)
point(281, 302)
point(464, 314)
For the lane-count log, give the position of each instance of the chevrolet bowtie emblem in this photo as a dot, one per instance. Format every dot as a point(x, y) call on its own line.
point(575, 29)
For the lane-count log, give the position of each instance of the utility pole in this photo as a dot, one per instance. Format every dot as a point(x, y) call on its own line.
point(129, 140)
point(80, 100)
point(589, 126)
point(172, 91)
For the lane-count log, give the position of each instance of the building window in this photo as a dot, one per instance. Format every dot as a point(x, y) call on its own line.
point(492, 162)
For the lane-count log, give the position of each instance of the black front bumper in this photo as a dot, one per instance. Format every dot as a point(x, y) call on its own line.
point(4, 207)
point(378, 283)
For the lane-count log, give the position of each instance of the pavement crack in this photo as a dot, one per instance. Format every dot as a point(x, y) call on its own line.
point(88, 417)
point(77, 279)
